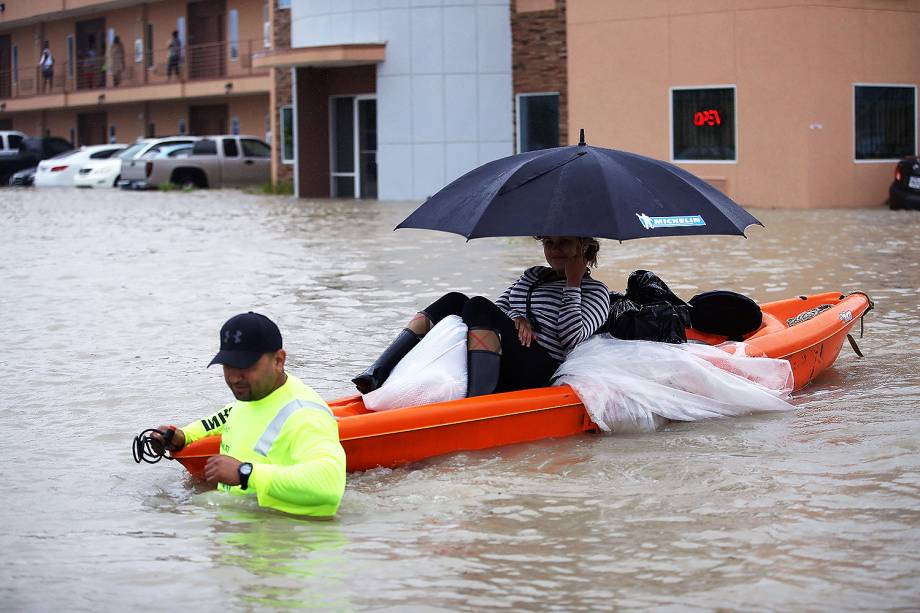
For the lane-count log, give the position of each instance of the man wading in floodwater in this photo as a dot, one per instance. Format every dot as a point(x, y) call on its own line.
point(279, 439)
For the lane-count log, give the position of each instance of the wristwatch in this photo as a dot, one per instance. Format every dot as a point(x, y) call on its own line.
point(244, 471)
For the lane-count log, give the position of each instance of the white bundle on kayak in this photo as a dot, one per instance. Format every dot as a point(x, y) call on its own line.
point(636, 386)
point(434, 371)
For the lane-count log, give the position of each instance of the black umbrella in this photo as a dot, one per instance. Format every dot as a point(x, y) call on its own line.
point(580, 191)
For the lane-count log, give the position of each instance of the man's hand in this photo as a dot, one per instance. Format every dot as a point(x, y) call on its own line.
point(176, 442)
point(222, 469)
point(524, 330)
point(575, 268)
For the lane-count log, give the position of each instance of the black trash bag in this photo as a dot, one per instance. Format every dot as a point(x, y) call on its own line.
point(645, 287)
point(649, 311)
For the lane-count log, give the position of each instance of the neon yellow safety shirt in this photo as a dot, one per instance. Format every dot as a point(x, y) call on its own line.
point(292, 441)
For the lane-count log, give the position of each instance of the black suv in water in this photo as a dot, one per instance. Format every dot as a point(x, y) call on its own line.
point(904, 193)
point(31, 152)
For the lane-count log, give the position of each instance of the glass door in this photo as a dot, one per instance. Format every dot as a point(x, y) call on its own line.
point(353, 136)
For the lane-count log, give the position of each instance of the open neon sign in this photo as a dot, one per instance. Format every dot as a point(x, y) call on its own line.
point(709, 117)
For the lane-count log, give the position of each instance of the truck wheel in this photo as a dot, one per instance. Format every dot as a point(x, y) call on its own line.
point(190, 179)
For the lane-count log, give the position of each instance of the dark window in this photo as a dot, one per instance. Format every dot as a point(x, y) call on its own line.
point(343, 187)
point(14, 139)
point(703, 124)
point(885, 122)
point(255, 148)
point(104, 154)
point(205, 147)
point(287, 134)
point(230, 148)
point(539, 121)
point(148, 51)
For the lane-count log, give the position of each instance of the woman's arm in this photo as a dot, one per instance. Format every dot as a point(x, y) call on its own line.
point(584, 309)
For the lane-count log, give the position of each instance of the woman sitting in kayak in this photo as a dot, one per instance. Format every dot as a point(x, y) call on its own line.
point(518, 341)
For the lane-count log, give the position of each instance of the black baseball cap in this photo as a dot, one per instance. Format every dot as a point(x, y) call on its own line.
point(244, 338)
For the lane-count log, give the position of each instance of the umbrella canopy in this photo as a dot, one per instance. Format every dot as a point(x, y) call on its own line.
point(580, 191)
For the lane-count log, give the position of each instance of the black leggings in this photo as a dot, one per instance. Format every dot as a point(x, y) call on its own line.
point(521, 367)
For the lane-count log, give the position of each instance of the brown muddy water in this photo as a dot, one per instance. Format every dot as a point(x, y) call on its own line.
point(111, 304)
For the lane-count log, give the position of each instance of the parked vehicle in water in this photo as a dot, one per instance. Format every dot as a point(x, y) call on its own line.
point(904, 192)
point(24, 178)
point(215, 161)
point(31, 152)
point(60, 170)
point(132, 164)
point(10, 141)
point(107, 173)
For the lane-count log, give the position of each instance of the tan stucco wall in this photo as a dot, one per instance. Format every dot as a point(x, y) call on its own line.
point(253, 114)
point(130, 120)
point(794, 65)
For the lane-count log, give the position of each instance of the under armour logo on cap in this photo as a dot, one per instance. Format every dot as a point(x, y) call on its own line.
point(244, 338)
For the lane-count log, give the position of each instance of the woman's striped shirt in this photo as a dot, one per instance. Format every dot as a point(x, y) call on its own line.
point(561, 316)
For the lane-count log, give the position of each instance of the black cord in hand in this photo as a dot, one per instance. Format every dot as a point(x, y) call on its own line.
point(151, 450)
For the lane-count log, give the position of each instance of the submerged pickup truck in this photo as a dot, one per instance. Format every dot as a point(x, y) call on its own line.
point(214, 162)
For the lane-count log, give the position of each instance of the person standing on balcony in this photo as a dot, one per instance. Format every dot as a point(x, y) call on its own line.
point(90, 65)
point(173, 56)
point(46, 66)
point(117, 61)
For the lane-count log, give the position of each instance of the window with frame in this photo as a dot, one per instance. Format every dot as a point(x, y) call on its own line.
point(70, 55)
point(885, 125)
point(266, 27)
point(150, 42)
point(234, 34)
point(538, 121)
point(703, 124)
point(287, 134)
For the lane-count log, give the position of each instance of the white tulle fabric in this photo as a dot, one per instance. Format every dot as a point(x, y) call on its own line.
point(636, 386)
point(434, 371)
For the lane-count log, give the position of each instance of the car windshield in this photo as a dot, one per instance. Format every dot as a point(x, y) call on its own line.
point(103, 154)
point(131, 151)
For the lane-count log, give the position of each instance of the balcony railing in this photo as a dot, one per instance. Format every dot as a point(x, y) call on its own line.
point(196, 63)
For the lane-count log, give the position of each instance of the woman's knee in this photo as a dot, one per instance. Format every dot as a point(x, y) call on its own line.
point(449, 304)
point(480, 312)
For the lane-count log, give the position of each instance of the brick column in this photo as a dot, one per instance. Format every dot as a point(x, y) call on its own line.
point(539, 53)
point(281, 90)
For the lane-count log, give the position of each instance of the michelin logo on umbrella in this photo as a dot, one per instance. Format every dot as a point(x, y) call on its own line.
point(650, 223)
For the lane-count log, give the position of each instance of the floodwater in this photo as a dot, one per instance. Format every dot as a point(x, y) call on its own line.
point(111, 304)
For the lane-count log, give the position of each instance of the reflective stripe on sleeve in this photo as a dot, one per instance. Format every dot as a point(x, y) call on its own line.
point(274, 428)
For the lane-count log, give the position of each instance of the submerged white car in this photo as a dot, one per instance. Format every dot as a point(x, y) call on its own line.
point(61, 170)
point(106, 173)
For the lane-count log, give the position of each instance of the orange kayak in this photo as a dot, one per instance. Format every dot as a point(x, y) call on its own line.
point(400, 436)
